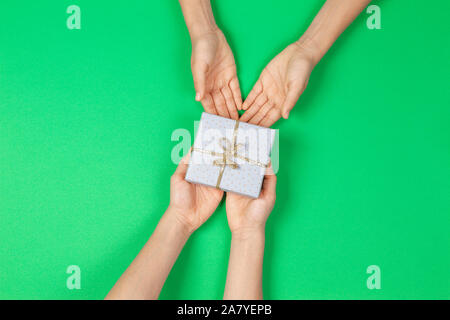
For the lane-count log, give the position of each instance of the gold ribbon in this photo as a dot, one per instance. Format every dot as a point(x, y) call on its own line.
point(230, 151)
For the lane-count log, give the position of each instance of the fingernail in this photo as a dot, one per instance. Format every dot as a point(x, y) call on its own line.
point(197, 96)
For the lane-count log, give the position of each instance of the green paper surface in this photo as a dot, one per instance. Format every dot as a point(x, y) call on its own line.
point(86, 119)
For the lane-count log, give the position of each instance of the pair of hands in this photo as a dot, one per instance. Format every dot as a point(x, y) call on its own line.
point(273, 96)
point(193, 204)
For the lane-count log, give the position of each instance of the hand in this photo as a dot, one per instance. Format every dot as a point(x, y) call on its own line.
point(214, 72)
point(280, 85)
point(246, 214)
point(191, 204)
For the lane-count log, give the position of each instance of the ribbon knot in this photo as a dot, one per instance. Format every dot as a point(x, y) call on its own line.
point(230, 150)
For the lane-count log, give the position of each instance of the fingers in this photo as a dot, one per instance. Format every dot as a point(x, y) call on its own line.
point(180, 172)
point(261, 113)
point(208, 104)
point(270, 183)
point(257, 89)
point(254, 108)
point(270, 118)
point(236, 90)
point(199, 71)
point(229, 100)
point(219, 102)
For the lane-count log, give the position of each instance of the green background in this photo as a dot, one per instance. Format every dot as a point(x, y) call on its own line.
point(86, 118)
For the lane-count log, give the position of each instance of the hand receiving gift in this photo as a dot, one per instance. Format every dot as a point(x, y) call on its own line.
point(214, 72)
point(281, 82)
point(212, 62)
point(280, 85)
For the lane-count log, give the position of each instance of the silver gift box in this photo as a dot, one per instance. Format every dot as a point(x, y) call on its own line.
point(230, 155)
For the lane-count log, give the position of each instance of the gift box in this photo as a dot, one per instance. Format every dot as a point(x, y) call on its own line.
point(230, 155)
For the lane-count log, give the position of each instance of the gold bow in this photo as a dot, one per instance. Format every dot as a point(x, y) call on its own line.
point(230, 151)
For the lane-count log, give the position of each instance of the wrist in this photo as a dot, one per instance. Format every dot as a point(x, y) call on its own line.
point(249, 233)
point(201, 29)
point(199, 17)
point(178, 220)
point(249, 243)
point(308, 46)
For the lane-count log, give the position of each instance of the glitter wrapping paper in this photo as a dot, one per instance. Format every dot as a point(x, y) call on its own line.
point(229, 155)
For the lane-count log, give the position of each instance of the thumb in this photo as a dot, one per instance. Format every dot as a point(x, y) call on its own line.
point(269, 183)
point(181, 170)
point(199, 70)
point(294, 92)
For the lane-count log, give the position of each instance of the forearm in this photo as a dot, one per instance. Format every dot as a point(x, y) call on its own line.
point(333, 18)
point(245, 267)
point(146, 275)
point(198, 16)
